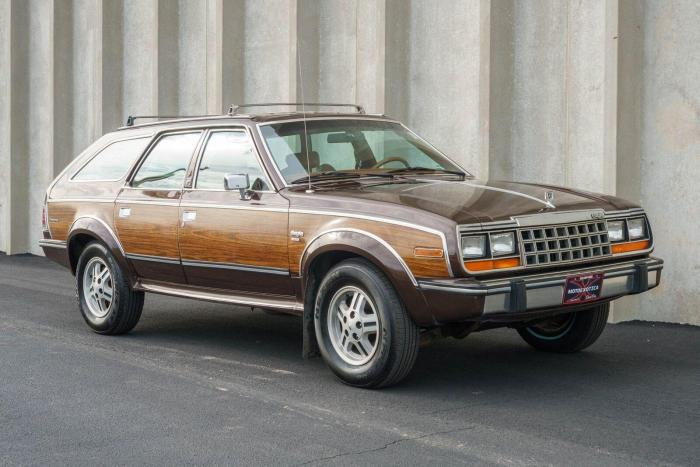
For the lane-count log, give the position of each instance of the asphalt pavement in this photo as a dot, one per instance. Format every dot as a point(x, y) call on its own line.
point(201, 383)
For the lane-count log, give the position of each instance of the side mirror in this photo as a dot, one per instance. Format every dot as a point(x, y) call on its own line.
point(240, 182)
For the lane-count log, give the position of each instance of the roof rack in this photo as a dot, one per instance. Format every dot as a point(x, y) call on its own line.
point(132, 118)
point(233, 110)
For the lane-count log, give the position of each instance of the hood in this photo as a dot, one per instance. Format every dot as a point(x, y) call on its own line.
point(471, 201)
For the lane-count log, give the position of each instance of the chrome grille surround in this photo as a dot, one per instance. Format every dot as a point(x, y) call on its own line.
point(563, 243)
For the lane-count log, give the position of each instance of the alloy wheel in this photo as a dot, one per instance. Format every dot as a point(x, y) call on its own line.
point(354, 325)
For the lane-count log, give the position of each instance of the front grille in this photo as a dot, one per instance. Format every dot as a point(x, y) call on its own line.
point(548, 245)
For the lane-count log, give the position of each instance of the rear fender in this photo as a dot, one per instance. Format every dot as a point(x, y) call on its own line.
point(100, 231)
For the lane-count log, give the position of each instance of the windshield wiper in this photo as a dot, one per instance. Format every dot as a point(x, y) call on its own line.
point(425, 170)
point(337, 174)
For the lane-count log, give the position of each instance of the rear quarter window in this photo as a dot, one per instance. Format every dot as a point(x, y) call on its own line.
point(112, 162)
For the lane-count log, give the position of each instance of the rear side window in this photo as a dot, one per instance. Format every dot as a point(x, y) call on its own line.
point(166, 164)
point(112, 162)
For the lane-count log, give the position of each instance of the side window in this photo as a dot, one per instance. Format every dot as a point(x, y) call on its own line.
point(166, 164)
point(230, 152)
point(112, 162)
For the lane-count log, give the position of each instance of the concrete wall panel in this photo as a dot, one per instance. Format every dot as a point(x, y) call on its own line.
point(5, 121)
point(670, 155)
point(270, 51)
point(140, 57)
point(433, 73)
point(39, 113)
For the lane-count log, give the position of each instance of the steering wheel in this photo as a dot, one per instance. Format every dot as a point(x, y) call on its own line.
point(386, 160)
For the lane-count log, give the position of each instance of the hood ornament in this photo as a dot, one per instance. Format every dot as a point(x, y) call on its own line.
point(549, 198)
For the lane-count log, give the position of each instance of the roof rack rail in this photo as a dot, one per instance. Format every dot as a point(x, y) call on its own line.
point(233, 110)
point(132, 118)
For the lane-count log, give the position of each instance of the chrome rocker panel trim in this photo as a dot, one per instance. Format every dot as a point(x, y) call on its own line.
point(220, 296)
point(46, 243)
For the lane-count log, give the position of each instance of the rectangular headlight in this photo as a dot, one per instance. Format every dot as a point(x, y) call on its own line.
point(502, 243)
point(616, 231)
point(474, 246)
point(636, 228)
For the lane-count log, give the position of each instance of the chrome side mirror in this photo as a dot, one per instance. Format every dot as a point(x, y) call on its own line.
point(240, 182)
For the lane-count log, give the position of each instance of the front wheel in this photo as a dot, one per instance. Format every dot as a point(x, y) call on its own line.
point(567, 332)
point(364, 333)
point(107, 303)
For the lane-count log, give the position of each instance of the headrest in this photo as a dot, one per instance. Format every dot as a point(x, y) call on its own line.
point(314, 159)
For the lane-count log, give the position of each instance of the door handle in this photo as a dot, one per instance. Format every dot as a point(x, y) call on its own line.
point(124, 212)
point(188, 216)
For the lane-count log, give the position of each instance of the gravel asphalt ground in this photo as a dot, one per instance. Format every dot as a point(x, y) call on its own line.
point(201, 383)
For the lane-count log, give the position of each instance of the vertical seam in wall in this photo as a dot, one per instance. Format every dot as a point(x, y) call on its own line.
point(567, 158)
point(52, 90)
point(207, 82)
point(357, 41)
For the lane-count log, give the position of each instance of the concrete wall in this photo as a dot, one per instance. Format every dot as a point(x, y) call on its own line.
point(600, 94)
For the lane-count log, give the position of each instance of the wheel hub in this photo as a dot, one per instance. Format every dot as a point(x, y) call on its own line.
point(353, 325)
point(97, 287)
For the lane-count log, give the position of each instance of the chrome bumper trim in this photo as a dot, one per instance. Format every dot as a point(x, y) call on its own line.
point(535, 291)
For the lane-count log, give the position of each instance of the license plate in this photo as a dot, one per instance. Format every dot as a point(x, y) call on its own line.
point(582, 288)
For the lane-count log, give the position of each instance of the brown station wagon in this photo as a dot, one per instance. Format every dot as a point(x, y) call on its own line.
point(349, 220)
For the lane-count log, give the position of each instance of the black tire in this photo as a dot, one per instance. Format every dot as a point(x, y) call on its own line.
point(569, 332)
point(396, 340)
point(126, 305)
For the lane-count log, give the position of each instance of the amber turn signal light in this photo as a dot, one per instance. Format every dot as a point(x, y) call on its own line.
point(425, 252)
point(631, 246)
point(485, 265)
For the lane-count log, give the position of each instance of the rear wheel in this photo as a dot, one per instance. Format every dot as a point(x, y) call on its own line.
point(364, 333)
point(568, 332)
point(106, 301)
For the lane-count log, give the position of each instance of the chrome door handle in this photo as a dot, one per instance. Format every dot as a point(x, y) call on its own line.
point(124, 212)
point(188, 216)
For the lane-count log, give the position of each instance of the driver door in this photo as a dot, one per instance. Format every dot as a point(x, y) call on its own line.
point(227, 242)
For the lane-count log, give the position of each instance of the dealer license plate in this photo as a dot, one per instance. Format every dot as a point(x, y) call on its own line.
point(582, 288)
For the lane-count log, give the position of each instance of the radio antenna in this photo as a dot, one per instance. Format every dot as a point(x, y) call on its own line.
point(303, 113)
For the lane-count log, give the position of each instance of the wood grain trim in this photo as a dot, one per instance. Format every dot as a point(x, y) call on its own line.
point(403, 240)
point(150, 230)
point(63, 214)
point(256, 238)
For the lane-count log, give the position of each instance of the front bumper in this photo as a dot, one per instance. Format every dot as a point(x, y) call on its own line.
point(514, 298)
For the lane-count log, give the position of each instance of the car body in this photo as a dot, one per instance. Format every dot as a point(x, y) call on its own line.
point(202, 230)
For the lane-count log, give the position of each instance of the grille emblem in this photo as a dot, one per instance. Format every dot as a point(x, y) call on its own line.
point(549, 196)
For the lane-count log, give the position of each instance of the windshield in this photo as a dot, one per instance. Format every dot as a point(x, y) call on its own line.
point(351, 148)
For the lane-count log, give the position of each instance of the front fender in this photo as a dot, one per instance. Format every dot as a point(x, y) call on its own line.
point(379, 253)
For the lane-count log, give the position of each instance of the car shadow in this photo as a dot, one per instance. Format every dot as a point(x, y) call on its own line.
point(496, 363)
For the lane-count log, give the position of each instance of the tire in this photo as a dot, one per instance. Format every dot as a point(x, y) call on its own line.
point(390, 346)
point(568, 332)
point(117, 315)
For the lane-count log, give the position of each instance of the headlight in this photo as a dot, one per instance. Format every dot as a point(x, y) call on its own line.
point(635, 228)
point(502, 244)
point(616, 231)
point(474, 246)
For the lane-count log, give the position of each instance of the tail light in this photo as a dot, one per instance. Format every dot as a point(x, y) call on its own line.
point(45, 216)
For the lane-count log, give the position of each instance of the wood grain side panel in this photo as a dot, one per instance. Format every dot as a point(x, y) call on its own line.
point(249, 237)
point(402, 239)
point(62, 214)
point(149, 230)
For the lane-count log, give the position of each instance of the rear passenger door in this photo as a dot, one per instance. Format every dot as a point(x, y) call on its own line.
point(146, 213)
point(226, 242)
